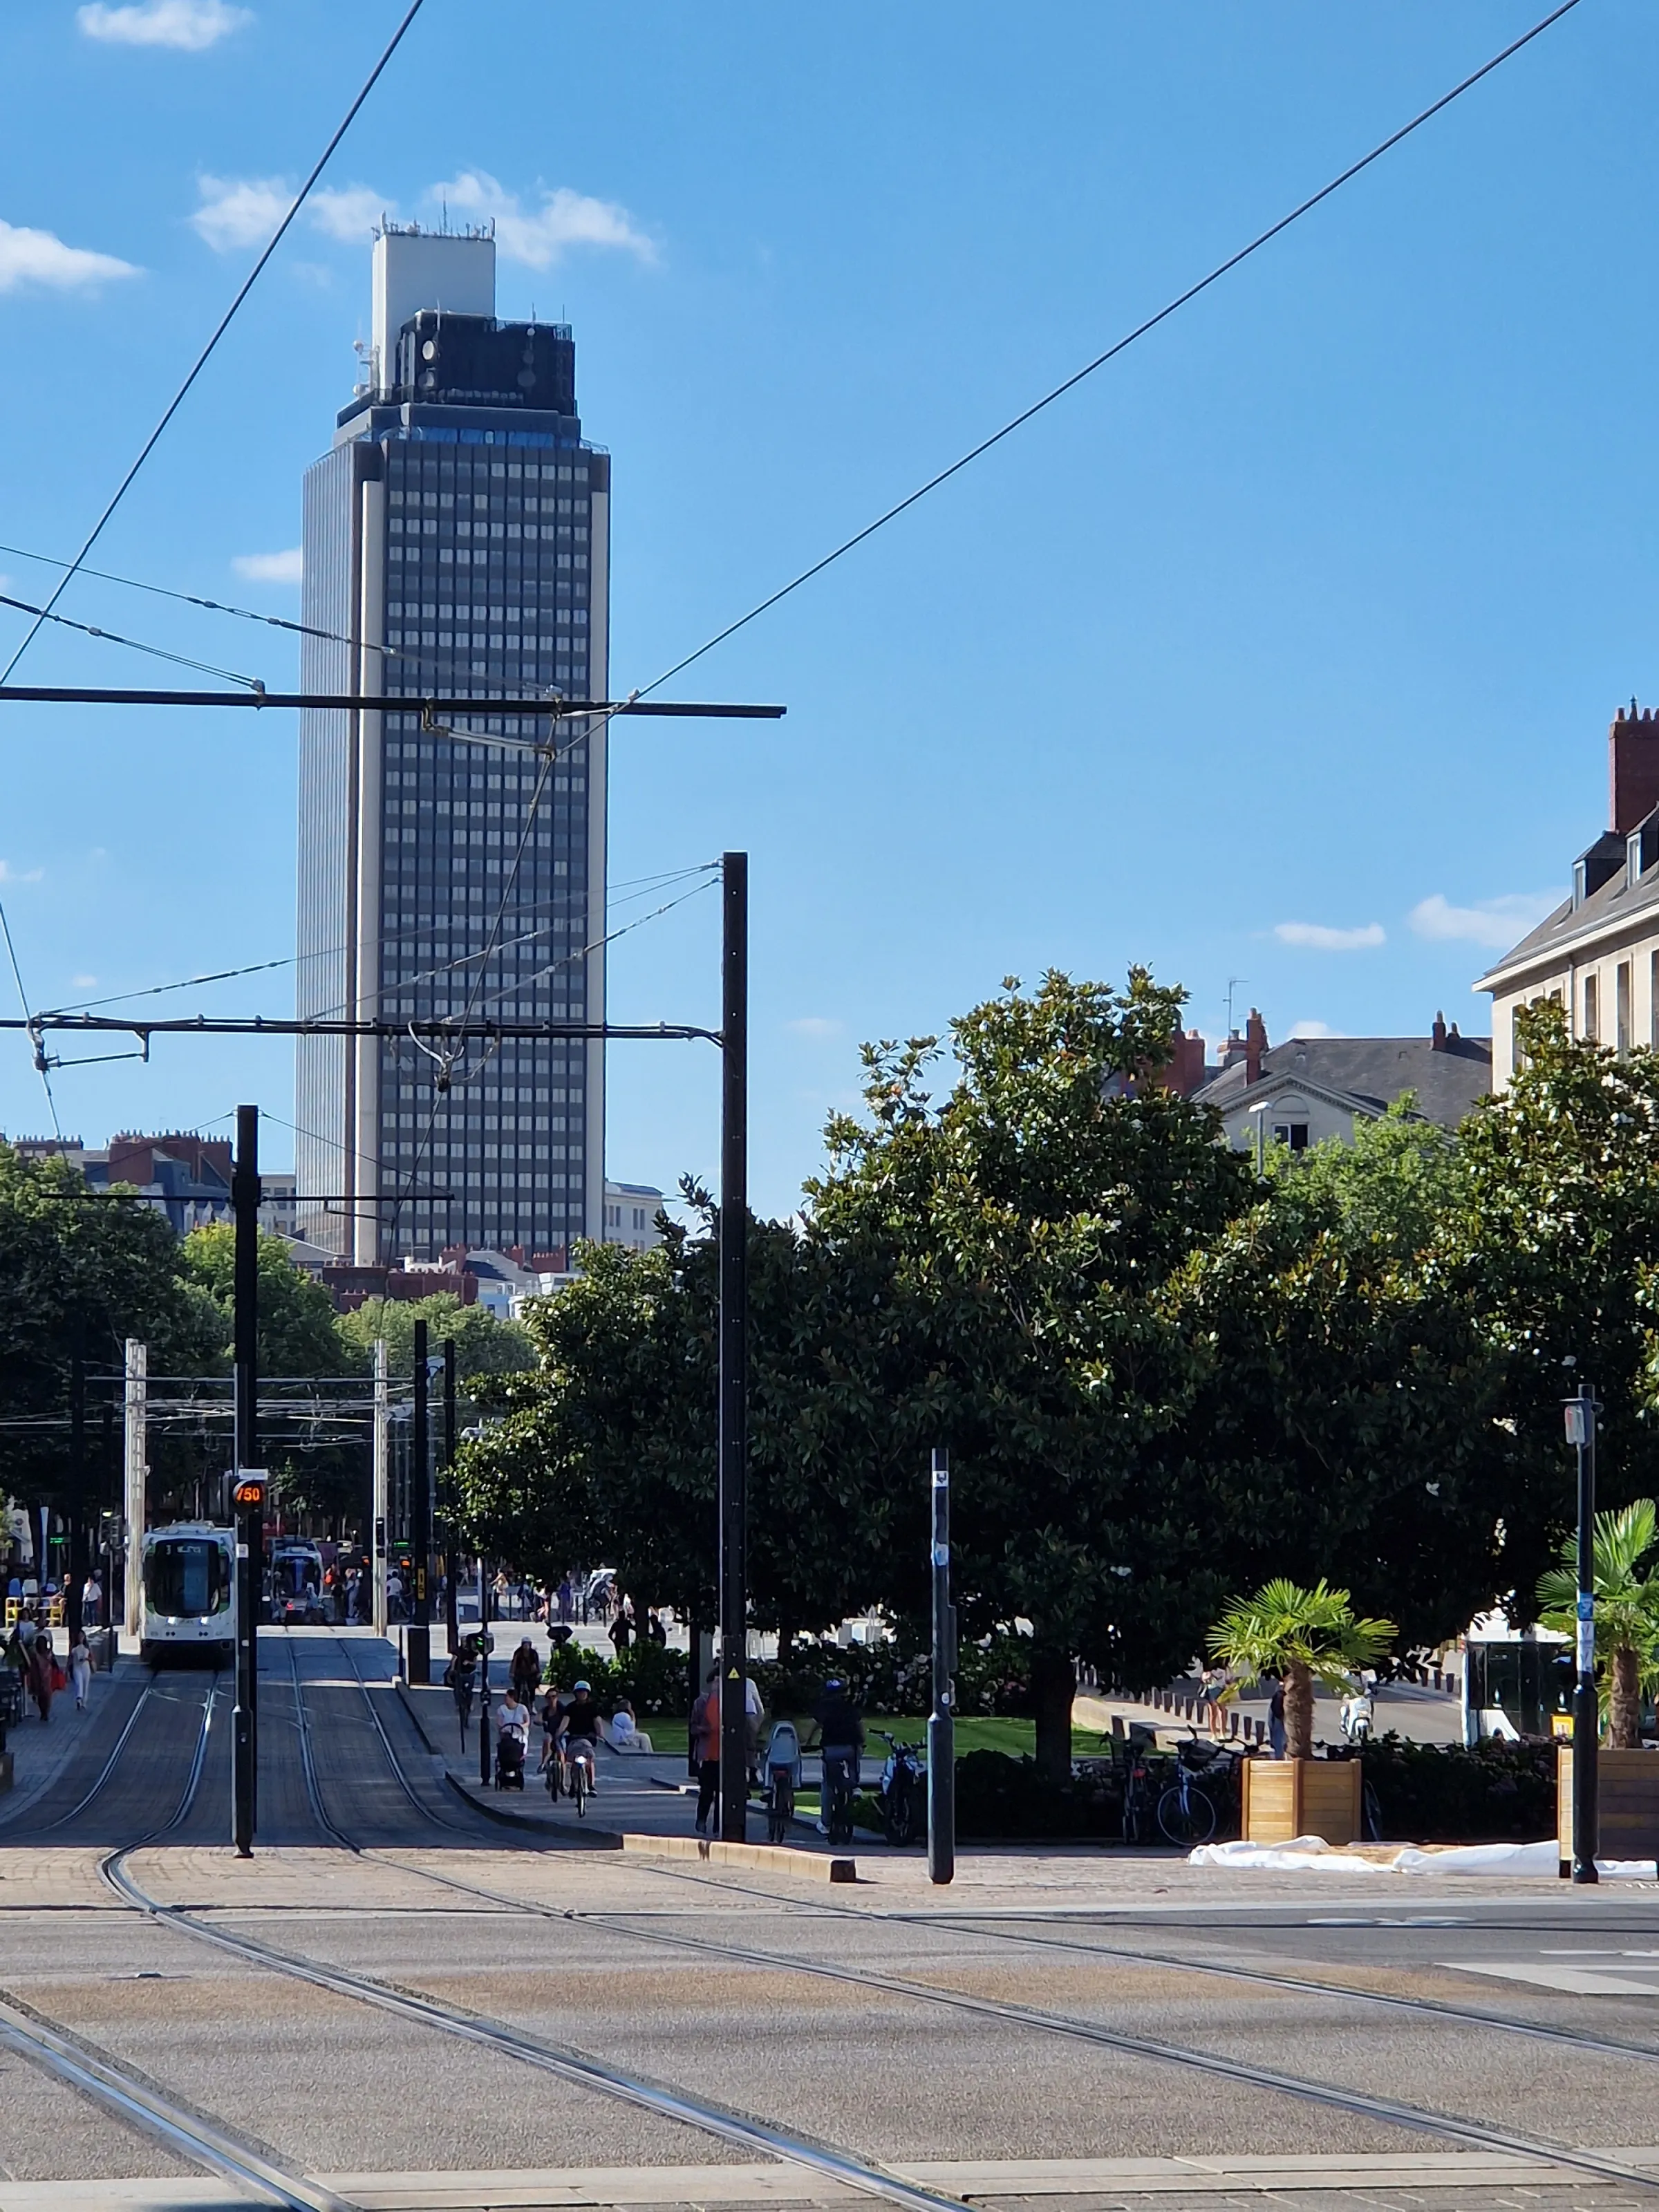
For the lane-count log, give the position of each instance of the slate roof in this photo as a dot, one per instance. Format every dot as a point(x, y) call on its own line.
point(1617, 902)
point(1371, 1072)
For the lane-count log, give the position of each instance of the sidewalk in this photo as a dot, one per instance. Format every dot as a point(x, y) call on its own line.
point(637, 1793)
point(41, 1754)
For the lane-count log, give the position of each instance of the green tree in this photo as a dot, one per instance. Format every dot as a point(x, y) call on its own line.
point(81, 1267)
point(483, 1345)
point(1302, 1636)
point(1026, 1228)
point(1626, 1599)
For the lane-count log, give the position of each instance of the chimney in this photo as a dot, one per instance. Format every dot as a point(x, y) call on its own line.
point(1437, 1034)
point(1633, 768)
point(1185, 1070)
point(1233, 1051)
point(1255, 1044)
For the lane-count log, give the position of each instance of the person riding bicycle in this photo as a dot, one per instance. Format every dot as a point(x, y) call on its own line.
point(840, 1739)
point(577, 1727)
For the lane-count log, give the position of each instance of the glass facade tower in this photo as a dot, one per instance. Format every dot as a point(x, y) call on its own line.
point(456, 546)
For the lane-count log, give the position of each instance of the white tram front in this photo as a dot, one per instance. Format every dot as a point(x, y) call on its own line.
point(190, 1579)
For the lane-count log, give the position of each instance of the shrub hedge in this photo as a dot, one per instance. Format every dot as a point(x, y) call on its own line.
point(1446, 1793)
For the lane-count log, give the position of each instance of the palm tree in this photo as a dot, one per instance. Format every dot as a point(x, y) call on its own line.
point(1302, 1636)
point(1626, 1611)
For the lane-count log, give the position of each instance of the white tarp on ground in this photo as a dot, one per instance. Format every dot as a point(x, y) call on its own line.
point(1305, 1854)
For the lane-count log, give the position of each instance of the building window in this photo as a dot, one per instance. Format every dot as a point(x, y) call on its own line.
point(1291, 1134)
point(1621, 1005)
point(1592, 1011)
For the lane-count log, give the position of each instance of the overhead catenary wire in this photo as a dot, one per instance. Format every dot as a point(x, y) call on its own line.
point(134, 644)
point(1121, 345)
point(23, 1000)
point(222, 325)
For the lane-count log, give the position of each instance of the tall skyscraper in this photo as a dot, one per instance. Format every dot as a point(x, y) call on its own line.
point(456, 539)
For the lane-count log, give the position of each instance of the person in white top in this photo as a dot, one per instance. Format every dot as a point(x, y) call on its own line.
point(80, 1660)
point(513, 1718)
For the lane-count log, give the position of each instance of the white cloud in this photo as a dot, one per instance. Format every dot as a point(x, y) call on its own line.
point(1498, 922)
point(539, 236)
point(189, 25)
point(815, 1026)
point(270, 568)
point(1318, 937)
point(1312, 1029)
point(239, 210)
point(11, 875)
point(83, 983)
point(349, 213)
point(37, 257)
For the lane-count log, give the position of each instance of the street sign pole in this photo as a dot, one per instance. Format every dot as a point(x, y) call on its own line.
point(942, 1723)
point(1580, 1413)
point(733, 1345)
point(248, 1517)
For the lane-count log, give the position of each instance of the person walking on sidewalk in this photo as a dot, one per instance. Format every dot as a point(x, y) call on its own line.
point(706, 1724)
point(81, 1669)
point(44, 1673)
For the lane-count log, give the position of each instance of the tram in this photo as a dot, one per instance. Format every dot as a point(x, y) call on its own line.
point(295, 1583)
point(1516, 1683)
point(189, 1580)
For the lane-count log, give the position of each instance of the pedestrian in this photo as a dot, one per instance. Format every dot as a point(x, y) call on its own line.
point(81, 1669)
point(92, 1602)
point(754, 1712)
point(565, 1597)
point(44, 1673)
point(622, 1628)
point(654, 1629)
point(526, 1671)
point(706, 1724)
point(1276, 1720)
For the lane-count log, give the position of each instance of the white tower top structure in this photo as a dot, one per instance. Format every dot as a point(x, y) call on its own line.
point(416, 268)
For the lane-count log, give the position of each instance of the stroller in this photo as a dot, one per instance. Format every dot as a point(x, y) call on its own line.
point(509, 1760)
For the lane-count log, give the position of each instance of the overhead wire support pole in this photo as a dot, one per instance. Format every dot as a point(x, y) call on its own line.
point(733, 1346)
point(248, 1484)
point(417, 1670)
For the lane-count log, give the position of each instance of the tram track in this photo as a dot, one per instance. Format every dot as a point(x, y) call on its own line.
point(758, 2136)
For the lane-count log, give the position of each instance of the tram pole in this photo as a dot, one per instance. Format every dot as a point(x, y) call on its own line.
point(942, 1723)
point(1580, 1413)
point(417, 1670)
point(451, 1507)
point(248, 1487)
point(733, 1345)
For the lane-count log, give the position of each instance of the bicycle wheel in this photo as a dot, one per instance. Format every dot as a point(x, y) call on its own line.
point(1186, 1820)
point(780, 1807)
point(1372, 1810)
point(578, 1786)
point(895, 1812)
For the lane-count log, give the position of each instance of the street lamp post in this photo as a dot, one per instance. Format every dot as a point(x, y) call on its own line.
point(1580, 1412)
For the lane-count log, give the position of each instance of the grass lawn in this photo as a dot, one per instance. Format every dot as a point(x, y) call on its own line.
point(976, 1732)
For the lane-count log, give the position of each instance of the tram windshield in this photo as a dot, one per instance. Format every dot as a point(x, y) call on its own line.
point(186, 1577)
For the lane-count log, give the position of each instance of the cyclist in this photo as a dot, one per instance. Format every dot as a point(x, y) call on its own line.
point(578, 1725)
point(841, 1740)
point(526, 1671)
point(462, 1667)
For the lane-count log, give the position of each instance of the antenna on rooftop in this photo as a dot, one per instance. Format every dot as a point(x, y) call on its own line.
point(1234, 983)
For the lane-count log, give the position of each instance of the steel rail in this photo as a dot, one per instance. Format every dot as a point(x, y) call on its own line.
point(134, 2100)
point(568, 2063)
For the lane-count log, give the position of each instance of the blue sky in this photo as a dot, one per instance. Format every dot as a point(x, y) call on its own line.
point(1283, 650)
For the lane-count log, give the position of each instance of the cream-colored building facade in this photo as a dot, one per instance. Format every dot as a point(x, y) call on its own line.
point(1597, 956)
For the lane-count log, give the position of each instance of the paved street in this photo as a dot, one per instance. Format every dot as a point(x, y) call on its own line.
point(497, 2015)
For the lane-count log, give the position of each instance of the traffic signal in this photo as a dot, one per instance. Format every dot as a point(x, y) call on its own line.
point(247, 1491)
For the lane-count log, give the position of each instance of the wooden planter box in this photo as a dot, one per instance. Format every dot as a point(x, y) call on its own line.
point(1627, 1794)
point(1287, 1797)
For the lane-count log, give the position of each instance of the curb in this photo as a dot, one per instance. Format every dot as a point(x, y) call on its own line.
point(402, 1688)
point(777, 1859)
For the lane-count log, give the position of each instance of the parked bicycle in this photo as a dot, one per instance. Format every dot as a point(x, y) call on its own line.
point(1185, 1814)
point(1139, 1804)
point(903, 1792)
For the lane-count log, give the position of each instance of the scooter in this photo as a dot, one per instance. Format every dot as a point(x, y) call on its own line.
point(903, 1792)
point(1359, 1715)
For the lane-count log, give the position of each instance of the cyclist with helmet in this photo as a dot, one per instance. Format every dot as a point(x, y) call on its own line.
point(578, 1723)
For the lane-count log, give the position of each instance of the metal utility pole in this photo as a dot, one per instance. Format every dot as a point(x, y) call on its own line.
point(486, 1723)
point(942, 1723)
point(109, 1518)
point(135, 1439)
point(1580, 1413)
point(77, 1492)
point(249, 1484)
point(733, 1345)
point(382, 1464)
point(452, 1504)
point(417, 1671)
